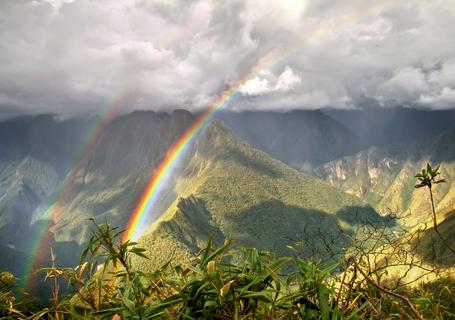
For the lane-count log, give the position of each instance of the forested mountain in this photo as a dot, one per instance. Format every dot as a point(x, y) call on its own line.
point(234, 192)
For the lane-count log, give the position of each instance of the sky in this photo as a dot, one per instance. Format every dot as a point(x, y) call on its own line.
point(73, 57)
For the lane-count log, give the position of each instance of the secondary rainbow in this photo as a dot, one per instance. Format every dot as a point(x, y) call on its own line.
point(40, 245)
point(163, 171)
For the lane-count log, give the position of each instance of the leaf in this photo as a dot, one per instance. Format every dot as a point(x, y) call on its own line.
point(211, 267)
point(357, 310)
point(108, 311)
point(210, 304)
point(141, 255)
point(157, 309)
point(323, 298)
point(213, 255)
point(129, 305)
point(435, 172)
point(225, 289)
point(207, 251)
point(336, 314)
point(328, 270)
point(257, 295)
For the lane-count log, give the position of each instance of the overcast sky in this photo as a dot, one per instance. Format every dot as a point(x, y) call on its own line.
point(72, 57)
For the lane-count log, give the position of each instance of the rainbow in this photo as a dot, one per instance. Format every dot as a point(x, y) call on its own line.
point(163, 171)
point(41, 240)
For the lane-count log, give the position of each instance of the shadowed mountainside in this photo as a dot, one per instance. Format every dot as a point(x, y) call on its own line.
point(375, 126)
point(43, 177)
point(250, 198)
point(299, 138)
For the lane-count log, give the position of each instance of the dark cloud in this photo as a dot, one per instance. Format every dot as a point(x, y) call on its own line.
point(71, 57)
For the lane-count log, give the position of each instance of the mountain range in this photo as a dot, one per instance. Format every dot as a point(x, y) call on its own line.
point(264, 179)
point(385, 176)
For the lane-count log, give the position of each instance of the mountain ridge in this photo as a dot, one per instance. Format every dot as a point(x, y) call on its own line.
point(385, 176)
point(242, 196)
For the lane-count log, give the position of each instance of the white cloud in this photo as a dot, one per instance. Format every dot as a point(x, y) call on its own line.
point(405, 85)
point(266, 83)
point(287, 80)
point(443, 100)
point(74, 56)
point(256, 86)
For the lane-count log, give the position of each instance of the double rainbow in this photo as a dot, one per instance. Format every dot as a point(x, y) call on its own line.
point(163, 171)
point(138, 219)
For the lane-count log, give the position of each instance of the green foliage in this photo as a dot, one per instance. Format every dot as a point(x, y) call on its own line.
point(10, 307)
point(428, 177)
point(7, 283)
point(220, 283)
point(211, 287)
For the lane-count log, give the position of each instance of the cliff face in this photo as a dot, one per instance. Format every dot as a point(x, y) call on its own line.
point(365, 174)
point(385, 176)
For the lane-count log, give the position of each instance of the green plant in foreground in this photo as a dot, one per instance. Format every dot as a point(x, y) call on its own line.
point(212, 287)
point(7, 284)
point(221, 283)
point(427, 178)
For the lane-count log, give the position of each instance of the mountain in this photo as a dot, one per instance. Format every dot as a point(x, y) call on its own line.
point(221, 187)
point(430, 246)
point(375, 126)
point(385, 176)
point(35, 153)
point(232, 191)
point(48, 177)
point(305, 139)
point(301, 139)
point(108, 182)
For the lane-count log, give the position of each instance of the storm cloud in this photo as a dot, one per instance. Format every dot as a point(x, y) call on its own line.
point(73, 57)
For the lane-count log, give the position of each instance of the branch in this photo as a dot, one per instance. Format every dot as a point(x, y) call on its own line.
point(389, 292)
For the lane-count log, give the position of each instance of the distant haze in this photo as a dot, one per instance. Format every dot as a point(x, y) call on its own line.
point(73, 57)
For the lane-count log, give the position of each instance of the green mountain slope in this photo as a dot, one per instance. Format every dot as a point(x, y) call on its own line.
point(222, 187)
point(111, 179)
point(235, 192)
point(385, 176)
point(299, 138)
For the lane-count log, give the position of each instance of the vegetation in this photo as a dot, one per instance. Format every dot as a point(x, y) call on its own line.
point(234, 192)
point(224, 282)
point(428, 178)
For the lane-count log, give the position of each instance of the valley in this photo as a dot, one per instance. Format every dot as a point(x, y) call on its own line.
point(233, 184)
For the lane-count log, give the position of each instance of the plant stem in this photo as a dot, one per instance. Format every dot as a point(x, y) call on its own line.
point(435, 222)
point(55, 288)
